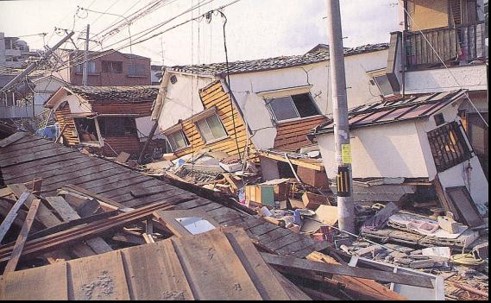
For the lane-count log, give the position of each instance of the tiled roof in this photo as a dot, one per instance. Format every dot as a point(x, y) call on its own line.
point(394, 110)
point(121, 94)
point(317, 54)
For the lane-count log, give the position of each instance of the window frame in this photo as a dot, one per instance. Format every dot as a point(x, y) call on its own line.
point(172, 142)
point(109, 67)
point(202, 133)
point(289, 99)
point(91, 68)
point(449, 146)
point(139, 70)
point(119, 129)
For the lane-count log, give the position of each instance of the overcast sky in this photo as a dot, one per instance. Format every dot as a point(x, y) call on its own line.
point(255, 28)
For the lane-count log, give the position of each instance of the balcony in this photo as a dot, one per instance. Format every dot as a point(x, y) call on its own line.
point(458, 45)
point(16, 112)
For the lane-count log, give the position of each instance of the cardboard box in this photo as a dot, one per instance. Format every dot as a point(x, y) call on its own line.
point(313, 177)
point(312, 201)
point(268, 192)
point(263, 194)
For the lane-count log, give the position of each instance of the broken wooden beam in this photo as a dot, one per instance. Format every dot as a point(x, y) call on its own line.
point(67, 213)
point(79, 233)
point(7, 222)
point(22, 238)
point(285, 263)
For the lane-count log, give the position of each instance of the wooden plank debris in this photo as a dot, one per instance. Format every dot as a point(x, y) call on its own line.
point(79, 233)
point(39, 283)
point(106, 281)
point(258, 270)
point(208, 261)
point(9, 219)
point(154, 273)
point(285, 263)
point(67, 213)
point(367, 289)
point(22, 238)
point(12, 138)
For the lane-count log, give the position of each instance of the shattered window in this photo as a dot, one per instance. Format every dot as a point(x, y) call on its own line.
point(86, 129)
point(177, 140)
point(292, 107)
point(211, 128)
point(448, 146)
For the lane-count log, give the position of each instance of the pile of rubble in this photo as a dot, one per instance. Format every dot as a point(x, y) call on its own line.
point(415, 234)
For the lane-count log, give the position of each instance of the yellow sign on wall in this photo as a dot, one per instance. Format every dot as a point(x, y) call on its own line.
point(346, 153)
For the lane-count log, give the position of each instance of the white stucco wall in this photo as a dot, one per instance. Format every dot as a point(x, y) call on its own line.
point(246, 86)
point(402, 150)
point(471, 77)
point(76, 105)
point(44, 88)
point(379, 151)
point(182, 99)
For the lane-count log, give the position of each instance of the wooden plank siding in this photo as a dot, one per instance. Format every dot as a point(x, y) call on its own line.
point(214, 96)
point(291, 136)
point(138, 108)
point(70, 133)
point(115, 145)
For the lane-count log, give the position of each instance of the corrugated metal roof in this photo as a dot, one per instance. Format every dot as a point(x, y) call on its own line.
point(397, 109)
point(120, 94)
point(317, 54)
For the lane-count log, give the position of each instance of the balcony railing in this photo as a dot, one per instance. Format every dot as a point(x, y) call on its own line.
point(14, 112)
point(459, 45)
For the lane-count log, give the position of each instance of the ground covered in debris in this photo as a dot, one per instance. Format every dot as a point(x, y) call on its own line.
point(400, 224)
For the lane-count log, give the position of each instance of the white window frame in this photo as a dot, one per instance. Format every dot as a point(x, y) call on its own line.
point(376, 77)
point(206, 132)
point(172, 141)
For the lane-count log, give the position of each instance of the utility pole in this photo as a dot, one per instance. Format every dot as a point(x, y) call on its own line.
point(33, 65)
point(344, 181)
point(86, 58)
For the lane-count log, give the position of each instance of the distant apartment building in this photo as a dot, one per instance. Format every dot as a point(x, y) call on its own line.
point(14, 53)
point(107, 68)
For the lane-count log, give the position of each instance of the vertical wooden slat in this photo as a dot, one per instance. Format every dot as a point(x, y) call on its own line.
point(39, 283)
point(154, 273)
point(99, 277)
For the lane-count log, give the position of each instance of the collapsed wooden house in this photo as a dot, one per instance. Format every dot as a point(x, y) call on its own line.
point(108, 119)
point(71, 207)
point(255, 110)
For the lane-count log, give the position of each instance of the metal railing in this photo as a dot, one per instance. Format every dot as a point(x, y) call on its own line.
point(457, 45)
